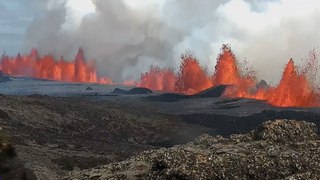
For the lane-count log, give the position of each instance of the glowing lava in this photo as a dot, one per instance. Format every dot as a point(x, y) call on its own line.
point(158, 79)
point(47, 67)
point(191, 78)
point(294, 89)
point(227, 72)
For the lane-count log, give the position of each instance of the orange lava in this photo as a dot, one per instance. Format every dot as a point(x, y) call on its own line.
point(158, 79)
point(47, 67)
point(192, 78)
point(293, 90)
point(227, 72)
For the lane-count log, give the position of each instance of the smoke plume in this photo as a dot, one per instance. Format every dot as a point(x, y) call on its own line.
point(126, 37)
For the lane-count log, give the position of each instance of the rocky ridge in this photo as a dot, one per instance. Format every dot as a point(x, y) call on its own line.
point(277, 149)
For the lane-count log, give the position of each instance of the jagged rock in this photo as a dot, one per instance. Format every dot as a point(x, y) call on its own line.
point(136, 90)
point(139, 90)
point(119, 91)
point(262, 85)
point(286, 131)
point(10, 166)
point(213, 92)
point(89, 88)
point(279, 149)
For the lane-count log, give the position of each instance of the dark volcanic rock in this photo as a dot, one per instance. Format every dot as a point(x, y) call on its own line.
point(119, 91)
point(285, 131)
point(279, 149)
point(139, 90)
point(212, 92)
point(54, 135)
point(10, 166)
point(168, 97)
point(89, 88)
point(262, 85)
point(4, 78)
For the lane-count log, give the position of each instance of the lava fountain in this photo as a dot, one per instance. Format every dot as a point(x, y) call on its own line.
point(191, 77)
point(293, 90)
point(47, 67)
point(159, 79)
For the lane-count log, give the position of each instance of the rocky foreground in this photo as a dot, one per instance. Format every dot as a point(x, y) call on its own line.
point(10, 165)
point(279, 149)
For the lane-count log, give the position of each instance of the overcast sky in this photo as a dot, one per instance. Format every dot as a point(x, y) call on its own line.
point(127, 36)
point(15, 17)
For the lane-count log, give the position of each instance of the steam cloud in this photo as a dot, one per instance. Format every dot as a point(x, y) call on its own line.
point(127, 36)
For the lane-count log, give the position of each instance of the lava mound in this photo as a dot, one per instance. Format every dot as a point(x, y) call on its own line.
point(212, 92)
point(133, 91)
point(262, 85)
point(139, 90)
point(269, 152)
point(119, 91)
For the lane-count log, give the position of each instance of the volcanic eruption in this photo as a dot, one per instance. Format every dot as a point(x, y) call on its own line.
point(47, 67)
point(158, 79)
point(293, 90)
point(191, 78)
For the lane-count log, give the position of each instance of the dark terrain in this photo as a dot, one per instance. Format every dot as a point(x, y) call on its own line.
point(279, 149)
point(56, 135)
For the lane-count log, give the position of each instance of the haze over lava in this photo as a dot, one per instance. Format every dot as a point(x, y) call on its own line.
point(295, 88)
point(124, 38)
point(47, 67)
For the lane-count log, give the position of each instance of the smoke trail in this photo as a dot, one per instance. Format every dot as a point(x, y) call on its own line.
point(126, 37)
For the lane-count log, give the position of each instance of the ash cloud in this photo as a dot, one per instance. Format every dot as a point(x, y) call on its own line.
point(126, 37)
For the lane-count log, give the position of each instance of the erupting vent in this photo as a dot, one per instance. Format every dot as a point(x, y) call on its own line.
point(294, 89)
point(47, 67)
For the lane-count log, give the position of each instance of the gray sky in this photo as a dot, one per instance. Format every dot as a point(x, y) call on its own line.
point(15, 17)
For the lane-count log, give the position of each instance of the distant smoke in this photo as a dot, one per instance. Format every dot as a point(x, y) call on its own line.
point(127, 36)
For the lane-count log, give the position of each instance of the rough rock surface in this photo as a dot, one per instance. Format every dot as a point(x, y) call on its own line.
point(212, 92)
point(10, 166)
point(54, 135)
point(278, 149)
point(139, 90)
point(262, 85)
point(133, 91)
